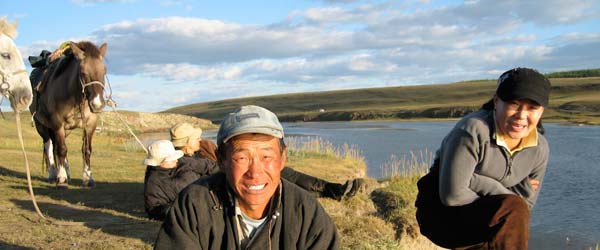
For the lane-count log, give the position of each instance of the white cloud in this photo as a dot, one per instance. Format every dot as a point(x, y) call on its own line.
point(204, 42)
point(344, 46)
point(556, 11)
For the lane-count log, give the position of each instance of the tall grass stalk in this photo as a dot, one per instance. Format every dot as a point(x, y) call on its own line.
point(411, 164)
point(311, 146)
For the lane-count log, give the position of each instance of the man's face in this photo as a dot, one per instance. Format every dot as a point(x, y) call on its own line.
point(253, 166)
point(517, 118)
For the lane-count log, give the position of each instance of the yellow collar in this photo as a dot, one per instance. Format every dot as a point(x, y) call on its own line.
point(530, 140)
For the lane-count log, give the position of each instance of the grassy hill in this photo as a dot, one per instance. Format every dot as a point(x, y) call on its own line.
point(574, 100)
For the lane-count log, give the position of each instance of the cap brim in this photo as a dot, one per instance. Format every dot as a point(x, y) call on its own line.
point(176, 155)
point(151, 162)
point(521, 97)
point(155, 162)
point(255, 130)
point(196, 134)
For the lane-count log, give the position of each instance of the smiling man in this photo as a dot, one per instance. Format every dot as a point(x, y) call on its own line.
point(248, 205)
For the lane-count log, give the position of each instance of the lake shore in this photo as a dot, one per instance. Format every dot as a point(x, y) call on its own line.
point(575, 100)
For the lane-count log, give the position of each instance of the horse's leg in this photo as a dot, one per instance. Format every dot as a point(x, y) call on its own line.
point(60, 152)
point(67, 165)
point(49, 160)
point(86, 150)
point(67, 169)
point(48, 156)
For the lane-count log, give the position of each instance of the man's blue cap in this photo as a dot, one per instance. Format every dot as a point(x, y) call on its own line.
point(249, 119)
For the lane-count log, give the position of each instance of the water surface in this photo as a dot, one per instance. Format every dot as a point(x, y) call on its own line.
point(566, 215)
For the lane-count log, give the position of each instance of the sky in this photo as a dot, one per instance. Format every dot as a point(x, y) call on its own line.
point(167, 53)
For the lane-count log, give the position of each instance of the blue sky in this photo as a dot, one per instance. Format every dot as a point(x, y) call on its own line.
point(166, 53)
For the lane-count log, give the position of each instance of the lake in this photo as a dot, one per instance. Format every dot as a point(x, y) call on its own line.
point(567, 213)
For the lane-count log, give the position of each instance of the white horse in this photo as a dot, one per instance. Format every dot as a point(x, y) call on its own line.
point(14, 79)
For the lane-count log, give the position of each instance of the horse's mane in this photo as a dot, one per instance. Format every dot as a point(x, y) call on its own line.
point(89, 48)
point(8, 28)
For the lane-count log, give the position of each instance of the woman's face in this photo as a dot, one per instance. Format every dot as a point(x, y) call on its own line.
point(517, 118)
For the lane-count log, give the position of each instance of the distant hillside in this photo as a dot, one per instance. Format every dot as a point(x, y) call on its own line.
point(575, 73)
point(572, 99)
point(147, 122)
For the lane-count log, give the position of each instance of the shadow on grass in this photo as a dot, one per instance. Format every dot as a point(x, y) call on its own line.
point(124, 197)
point(145, 230)
point(7, 246)
point(21, 175)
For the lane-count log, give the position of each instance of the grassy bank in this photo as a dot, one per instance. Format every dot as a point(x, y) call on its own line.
point(574, 100)
point(383, 217)
point(111, 215)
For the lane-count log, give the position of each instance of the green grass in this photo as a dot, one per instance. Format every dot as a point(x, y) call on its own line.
point(574, 100)
point(111, 216)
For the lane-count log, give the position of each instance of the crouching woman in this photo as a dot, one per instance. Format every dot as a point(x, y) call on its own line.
point(489, 169)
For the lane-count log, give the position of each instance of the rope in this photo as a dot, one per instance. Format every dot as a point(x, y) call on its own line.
point(28, 174)
point(19, 132)
point(111, 103)
point(2, 113)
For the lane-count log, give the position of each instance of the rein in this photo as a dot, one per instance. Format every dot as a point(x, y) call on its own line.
point(28, 172)
point(111, 103)
point(5, 91)
point(5, 86)
point(6, 77)
point(85, 85)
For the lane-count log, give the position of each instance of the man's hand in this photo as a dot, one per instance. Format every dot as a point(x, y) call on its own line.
point(535, 184)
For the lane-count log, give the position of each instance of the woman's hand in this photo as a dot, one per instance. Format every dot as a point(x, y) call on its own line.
point(535, 184)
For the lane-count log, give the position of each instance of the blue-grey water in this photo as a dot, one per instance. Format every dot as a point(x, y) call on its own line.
point(567, 214)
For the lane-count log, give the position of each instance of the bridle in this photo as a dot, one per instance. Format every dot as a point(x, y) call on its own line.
point(87, 84)
point(6, 78)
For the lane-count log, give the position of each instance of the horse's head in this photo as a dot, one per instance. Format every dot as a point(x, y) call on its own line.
point(92, 72)
point(14, 80)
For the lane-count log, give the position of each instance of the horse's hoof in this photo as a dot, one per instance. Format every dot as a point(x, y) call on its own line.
point(62, 186)
point(90, 184)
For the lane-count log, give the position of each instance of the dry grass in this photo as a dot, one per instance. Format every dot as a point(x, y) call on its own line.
point(580, 95)
point(111, 215)
point(413, 164)
point(383, 217)
point(312, 155)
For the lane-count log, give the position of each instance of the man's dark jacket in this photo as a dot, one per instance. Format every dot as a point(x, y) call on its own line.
point(203, 217)
point(161, 185)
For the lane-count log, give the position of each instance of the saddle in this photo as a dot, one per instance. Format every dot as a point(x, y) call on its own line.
point(48, 62)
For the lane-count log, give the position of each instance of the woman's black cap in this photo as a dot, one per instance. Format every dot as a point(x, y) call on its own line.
point(524, 83)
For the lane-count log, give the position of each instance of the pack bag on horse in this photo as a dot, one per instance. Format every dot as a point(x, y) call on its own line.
point(69, 96)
